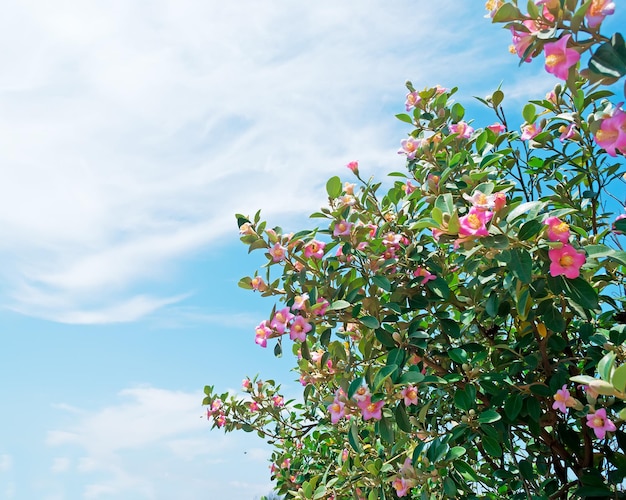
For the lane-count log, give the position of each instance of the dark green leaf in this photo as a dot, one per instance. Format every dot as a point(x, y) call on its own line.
point(529, 229)
point(369, 321)
point(382, 282)
point(491, 446)
point(488, 416)
point(402, 418)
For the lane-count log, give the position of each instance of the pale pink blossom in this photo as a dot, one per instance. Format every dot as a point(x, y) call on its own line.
point(246, 229)
point(409, 394)
point(257, 283)
point(299, 302)
point(409, 147)
point(278, 401)
point(567, 132)
point(361, 394)
point(221, 420)
point(559, 59)
point(321, 306)
point(337, 411)
point(408, 188)
point(462, 129)
point(530, 131)
point(566, 261)
point(253, 406)
point(497, 128)
point(278, 252)
point(299, 328)
point(371, 410)
point(314, 249)
point(563, 400)
point(280, 320)
point(611, 135)
point(499, 201)
point(557, 229)
point(246, 383)
point(598, 10)
point(600, 424)
point(401, 485)
point(262, 333)
point(412, 100)
point(342, 228)
point(423, 273)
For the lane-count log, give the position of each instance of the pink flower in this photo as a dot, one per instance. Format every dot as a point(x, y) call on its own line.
point(371, 410)
point(314, 249)
point(566, 261)
point(401, 485)
point(410, 395)
point(412, 100)
point(439, 89)
point(253, 406)
point(563, 400)
point(257, 283)
point(354, 166)
point(600, 423)
point(299, 328)
point(278, 252)
point(492, 6)
point(462, 129)
point(557, 229)
point(361, 394)
point(497, 128)
point(221, 420)
point(597, 11)
point(423, 273)
point(392, 240)
point(408, 188)
point(321, 306)
point(551, 97)
point(530, 131)
point(262, 333)
point(299, 302)
point(473, 224)
point(482, 201)
point(342, 228)
point(612, 133)
point(280, 320)
point(499, 201)
point(409, 147)
point(337, 410)
point(567, 132)
point(344, 454)
point(246, 383)
point(522, 39)
point(559, 59)
point(246, 229)
point(279, 401)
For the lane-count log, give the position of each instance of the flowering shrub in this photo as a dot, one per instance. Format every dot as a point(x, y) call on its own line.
point(461, 335)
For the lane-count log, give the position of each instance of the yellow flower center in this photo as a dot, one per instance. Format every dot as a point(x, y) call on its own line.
point(606, 135)
point(598, 422)
point(596, 8)
point(371, 407)
point(561, 228)
point(474, 221)
point(554, 59)
point(566, 260)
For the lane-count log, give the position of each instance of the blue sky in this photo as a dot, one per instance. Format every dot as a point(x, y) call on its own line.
point(130, 134)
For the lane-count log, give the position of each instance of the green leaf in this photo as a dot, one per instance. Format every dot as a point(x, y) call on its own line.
point(513, 405)
point(369, 321)
point(610, 58)
point(529, 229)
point(488, 416)
point(553, 319)
point(382, 282)
point(405, 118)
point(450, 327)
point(581, 292)
point(383, 374)
point(524, 208)
point(619, 378)
point(354, 385)
point(521, 264)
point(455, 452)
point(337, 305)
point(496, 98)
point(466, 471)
point(353, 437)
point(491, 446)
point(529, 113)
point(508, 12)
point(386, 430)
point(449, 488)
point(402, 418)
point(333, 187)
point(439, 287)
point(411, 377)
point(458, 355)
point(605, 366)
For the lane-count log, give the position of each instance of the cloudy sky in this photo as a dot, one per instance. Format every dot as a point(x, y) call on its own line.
point(130, 133)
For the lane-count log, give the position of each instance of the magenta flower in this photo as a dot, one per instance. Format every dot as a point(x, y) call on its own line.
point(473, 224)
point(600, 423)
point(401, 485)
point(559, 59)
point(612, 133)
point(412, 100)
point(321, 306)
point(598, 10)
point(410, 395)
point(371, 410)
point(280, 320)
point(423, 273)
point(521, 39)
point(342, 228)
point(299, 328)
point(529, 131)
point(557, 229)
point(353, 166)
point(563, 400)
point(497, 128)
point(279, 401)
point(408, 188)
point(567, 132)
point(278, 252)
point(337, 410)
point(299, 302)
point(221, 420)
point(246, 384)
point(314, 249)
point(566, 261)
point(462, 129)
point(253, 406)
point(409, 147)
point(262, 333)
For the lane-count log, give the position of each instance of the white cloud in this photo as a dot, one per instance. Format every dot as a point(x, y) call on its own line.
point(6, 462)
point(130, 136)
point(155, 444)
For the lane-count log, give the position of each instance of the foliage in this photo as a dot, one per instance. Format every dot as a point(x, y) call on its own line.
point(462, 333)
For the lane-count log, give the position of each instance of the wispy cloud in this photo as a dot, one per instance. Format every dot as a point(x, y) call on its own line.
point(153, 441)
point(129, 138)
